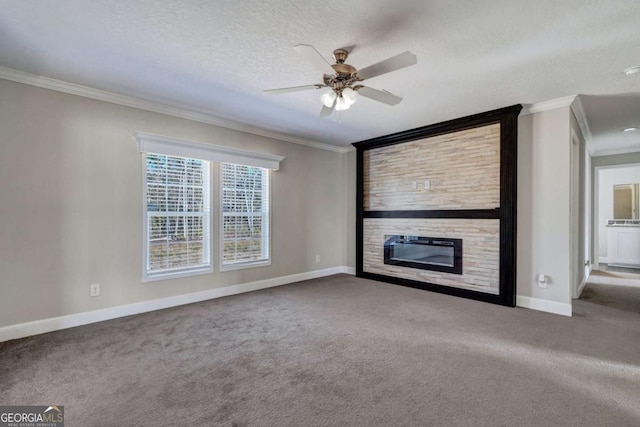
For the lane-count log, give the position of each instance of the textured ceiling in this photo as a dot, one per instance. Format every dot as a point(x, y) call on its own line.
point(218, 56)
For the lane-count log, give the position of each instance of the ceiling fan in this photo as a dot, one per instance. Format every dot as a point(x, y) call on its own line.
point(344, 79)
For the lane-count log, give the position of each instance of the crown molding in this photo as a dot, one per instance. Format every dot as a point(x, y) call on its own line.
point(182, 112)
point(552, 104)
point(573, 102)
point(581, 117)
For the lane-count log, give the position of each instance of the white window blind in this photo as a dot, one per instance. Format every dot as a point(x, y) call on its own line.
point(245, 215)
point(177, 215)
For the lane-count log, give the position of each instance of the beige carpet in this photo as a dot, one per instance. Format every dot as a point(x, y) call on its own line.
point(614, 278)
point(341, 351)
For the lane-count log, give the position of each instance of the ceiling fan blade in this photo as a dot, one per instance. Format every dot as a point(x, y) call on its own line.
point(379, 95)
point(291, 89)
point(394, 63)
point(326, 111)
point(315, 58)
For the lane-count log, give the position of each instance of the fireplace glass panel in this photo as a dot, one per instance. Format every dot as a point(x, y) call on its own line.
point(429, 253)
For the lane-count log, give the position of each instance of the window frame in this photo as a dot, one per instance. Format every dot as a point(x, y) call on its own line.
point(248, 264)
point(147, 276)
point(215, 155)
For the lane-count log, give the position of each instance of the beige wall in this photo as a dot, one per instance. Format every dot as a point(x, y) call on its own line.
point(71, 205)
point(543, 204)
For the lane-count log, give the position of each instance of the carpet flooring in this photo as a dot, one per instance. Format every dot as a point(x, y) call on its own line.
point(612, 268)
point(341, 351)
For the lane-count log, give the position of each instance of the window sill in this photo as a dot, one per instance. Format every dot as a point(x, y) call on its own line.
point(242, 266)
point(176, 275)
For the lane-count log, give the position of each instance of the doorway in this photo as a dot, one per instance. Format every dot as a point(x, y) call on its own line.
point(616, 219)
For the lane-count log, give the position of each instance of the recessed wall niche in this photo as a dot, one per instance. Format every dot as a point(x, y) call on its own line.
point(436, 207)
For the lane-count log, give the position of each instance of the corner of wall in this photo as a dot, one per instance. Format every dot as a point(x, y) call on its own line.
point(544, 210)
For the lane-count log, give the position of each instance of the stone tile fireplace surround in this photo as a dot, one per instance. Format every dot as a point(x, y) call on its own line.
point(454, 180)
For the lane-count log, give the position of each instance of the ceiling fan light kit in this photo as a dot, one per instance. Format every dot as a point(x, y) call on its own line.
point(343, 98)
point(350, 95)
point(329, 98)
point(343, 79)
point(342, 104)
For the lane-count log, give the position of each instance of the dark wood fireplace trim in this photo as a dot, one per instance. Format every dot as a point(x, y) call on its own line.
point(508, 119)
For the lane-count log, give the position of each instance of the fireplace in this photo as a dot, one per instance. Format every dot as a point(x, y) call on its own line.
point(426, 253)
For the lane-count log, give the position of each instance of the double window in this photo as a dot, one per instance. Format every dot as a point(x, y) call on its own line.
point(179, 207)
point(178, 216)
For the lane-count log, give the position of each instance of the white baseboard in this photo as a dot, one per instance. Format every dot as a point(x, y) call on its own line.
point(543, 305)
point(36, 327)
point(603, 260)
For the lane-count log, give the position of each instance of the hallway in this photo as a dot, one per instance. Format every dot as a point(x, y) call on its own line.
point(619, 291)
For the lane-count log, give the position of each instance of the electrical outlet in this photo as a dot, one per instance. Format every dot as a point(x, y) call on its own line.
point(414, 185)
point(543, 280)
point(95, 289)
point(427, 184)
point(317, 258)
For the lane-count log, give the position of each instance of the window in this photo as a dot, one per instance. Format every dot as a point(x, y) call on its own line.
point(245, 216)
point(177, 206)
point(177, 216)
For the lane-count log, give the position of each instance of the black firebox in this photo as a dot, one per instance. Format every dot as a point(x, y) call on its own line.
point(427, 253)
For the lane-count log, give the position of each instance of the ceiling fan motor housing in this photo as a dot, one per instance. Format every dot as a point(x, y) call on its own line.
point(340, 55)
point(345, 75)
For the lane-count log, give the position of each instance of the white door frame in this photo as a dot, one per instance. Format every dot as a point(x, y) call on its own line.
point(596, 207)
point(574, 216)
